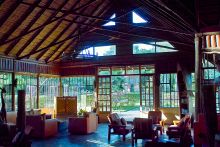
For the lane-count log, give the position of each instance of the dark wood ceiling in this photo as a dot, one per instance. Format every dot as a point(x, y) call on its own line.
point(43, 29)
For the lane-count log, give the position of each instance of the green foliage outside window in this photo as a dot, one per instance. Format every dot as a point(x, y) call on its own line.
point(6, 82)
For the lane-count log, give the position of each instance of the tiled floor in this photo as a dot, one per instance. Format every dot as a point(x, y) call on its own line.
point(99, 138)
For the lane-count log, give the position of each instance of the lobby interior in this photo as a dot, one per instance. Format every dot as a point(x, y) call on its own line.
point(70, 64)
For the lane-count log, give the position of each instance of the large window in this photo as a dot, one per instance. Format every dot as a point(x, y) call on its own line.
point(108, 50)
point(29, 84)
point(82, 87)
point(49, 88)
point(6, 82)
point(153, 47)
point(168, 91)
point(211, 74)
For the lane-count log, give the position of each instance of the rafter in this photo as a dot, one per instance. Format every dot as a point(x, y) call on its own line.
point(105, 8)
point(61, 33)
point(39, 14)
point(19, 22)
point(10, 11)
point(45, 48)
point(142, 34)
point(59, 54)
point(115, 20)
point(39, 30)
point(47, 22)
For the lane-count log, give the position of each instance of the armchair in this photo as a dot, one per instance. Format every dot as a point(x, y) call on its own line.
point(156, 117)
point(117, 126)
point(143, 129)
point(42, 127)
point(179, 130)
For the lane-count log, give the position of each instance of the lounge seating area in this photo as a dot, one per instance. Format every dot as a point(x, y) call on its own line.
point(110, 73)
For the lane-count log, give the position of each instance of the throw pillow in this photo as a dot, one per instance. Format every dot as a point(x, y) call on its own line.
point(123, 121)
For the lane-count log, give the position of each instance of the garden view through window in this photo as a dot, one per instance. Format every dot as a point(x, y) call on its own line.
point(169, 97)
point(108, 50)
point(130, 89)
point(153, 47)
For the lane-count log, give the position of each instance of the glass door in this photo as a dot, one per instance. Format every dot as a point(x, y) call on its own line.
point(104, 93)
point(147, 93)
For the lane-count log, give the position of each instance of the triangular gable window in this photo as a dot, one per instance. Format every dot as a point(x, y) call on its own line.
point(111, 23)
point(167, 47)
point(137, 18)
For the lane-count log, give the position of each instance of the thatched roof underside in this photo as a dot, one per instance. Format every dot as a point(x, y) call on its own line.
point(43, 29)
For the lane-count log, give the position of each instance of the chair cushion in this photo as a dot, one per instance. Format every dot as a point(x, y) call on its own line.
point(117, 122)
point(123, 121)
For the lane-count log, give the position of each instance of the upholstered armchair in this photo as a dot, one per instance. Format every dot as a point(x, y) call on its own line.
point(117, 126)
point(42, 127)
point(143, 129)
point(83, 125)
point(179, 130)
point(156, 117)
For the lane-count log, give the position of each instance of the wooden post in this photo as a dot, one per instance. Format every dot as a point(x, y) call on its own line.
point(38, 90)
point(21, 117)
point(156, 90)
point(14, 84)
point(198, 66)
point(209, 105)
point(13, 91)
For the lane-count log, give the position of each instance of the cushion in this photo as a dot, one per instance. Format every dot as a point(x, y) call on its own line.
point(123, 121)
point(117, 122)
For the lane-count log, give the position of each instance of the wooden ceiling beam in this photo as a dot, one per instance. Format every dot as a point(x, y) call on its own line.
point(10, 11)
point(45, 48)
point(17, 23)
point(104, 9)
point(59, 54)
point(61, 33)
point(50, 32)
point(39, 30)
point(171, 15)
point(166, 37)
point(115, 20)
point(47, 22)
point(39, 14)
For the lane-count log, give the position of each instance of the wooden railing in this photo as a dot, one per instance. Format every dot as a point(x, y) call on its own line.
point(211, 42)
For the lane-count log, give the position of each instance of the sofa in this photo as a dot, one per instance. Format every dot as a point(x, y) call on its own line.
point(42, 127)
point(83, 124)
point(200, 132)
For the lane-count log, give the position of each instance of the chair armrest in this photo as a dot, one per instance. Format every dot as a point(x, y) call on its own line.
point(173, 128)
point(161, 123)
point(117, 126)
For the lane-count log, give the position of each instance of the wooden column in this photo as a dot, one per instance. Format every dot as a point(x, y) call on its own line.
point(13, 91)
point(198, 66)
point(21, 117)
point(156, 90)
point(209, 105)
point(14, 84)
point(38, 90)
point(60, 87)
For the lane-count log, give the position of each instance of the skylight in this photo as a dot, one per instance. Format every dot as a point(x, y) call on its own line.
point(137, 18)
point(111, 23)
